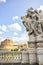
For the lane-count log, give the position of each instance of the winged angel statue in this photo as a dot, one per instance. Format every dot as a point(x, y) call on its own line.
point(33, 21)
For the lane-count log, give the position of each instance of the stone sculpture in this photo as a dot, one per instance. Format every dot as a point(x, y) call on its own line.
point(33, 22)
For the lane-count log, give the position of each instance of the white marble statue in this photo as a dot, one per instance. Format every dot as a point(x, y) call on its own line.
point(33, 22)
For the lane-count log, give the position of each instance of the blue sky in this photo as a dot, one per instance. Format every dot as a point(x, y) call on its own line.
point(10, 18)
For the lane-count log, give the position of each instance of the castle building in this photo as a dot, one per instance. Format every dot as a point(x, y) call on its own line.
point(8, 44)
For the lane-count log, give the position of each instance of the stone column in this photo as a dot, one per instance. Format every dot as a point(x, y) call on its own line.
point(40, 49)
point(32, 51)
point(25, 57)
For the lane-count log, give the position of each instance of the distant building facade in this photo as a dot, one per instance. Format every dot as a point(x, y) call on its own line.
point(8, 44)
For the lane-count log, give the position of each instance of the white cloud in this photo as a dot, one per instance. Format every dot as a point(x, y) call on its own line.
point(22, 39)
point(3, 1)
point(40, 8)
point(15, 17)
point(2, 38)
point(3, 28)
point(15, 33)
point(18, 40)
point(1, 33)
point(15, 26)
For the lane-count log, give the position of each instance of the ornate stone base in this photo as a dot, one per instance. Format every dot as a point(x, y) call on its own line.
point(34, 64)
point(14, 64)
